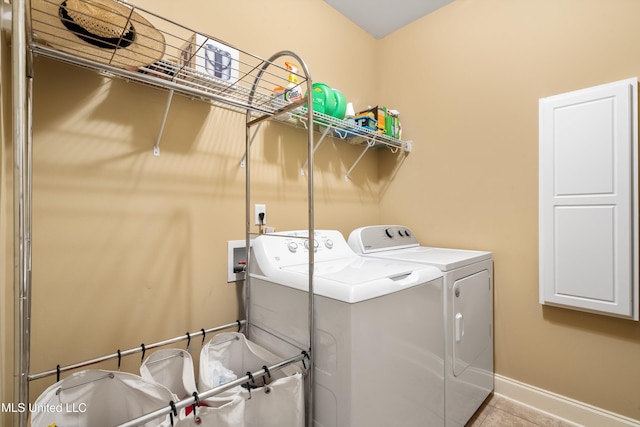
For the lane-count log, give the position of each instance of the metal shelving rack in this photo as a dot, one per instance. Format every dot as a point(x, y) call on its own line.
point(238, 81)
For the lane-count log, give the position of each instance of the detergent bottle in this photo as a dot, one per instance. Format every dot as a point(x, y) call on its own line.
point(283, 96)
point(293, 91)
point(279, 102)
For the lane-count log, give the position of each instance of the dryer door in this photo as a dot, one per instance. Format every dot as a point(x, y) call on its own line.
point(471, 304)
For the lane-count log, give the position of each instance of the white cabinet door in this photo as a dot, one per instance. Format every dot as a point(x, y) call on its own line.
point(588, 216)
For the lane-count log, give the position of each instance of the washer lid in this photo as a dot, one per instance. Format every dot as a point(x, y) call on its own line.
point(355, 279)
point(358, 270)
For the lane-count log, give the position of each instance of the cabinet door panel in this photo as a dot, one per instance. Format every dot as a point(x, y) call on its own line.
point(588, 233)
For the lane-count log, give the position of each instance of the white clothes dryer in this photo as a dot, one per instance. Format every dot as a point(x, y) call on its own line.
point(379, 352)
point(468, 311)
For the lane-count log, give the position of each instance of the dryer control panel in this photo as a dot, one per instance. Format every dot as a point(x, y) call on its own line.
point(378, 238)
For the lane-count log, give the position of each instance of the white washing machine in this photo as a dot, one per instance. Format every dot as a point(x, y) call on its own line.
point(379, 354)
point(468, 311)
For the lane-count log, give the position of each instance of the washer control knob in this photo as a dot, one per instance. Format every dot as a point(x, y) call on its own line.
point(328, 243)
point(388, 232)
point(315, 244)
point(407, 233)
point(292, 246)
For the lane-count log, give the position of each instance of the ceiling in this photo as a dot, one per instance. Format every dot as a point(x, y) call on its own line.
point(382, 17)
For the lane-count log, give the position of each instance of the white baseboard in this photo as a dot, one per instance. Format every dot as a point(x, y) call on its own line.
point(562, 407)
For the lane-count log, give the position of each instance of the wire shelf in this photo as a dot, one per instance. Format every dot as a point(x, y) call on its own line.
point(125, 41)
point(147, 48)
point(344, 129)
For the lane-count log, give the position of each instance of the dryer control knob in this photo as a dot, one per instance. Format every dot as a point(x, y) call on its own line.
point(328, 243)
point(388, 232)
point(292, 246)
point(407, 233)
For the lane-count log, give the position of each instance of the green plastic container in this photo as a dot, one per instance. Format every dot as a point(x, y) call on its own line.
point(324, 100)
point(341, 105)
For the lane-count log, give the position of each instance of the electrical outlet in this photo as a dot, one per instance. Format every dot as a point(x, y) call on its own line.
point(258, 210)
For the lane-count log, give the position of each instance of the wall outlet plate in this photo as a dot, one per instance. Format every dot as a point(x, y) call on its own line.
point(258, 210)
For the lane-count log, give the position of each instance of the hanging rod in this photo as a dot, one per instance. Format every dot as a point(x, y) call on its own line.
point(141, 348)
point(197, 397)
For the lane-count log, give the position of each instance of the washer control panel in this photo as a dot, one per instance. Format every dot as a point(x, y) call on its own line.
point(292, 247)
point(378, 238)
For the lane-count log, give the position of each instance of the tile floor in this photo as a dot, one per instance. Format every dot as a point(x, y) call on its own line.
point(498, 411)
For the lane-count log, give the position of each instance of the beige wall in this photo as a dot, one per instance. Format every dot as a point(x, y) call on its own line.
point(129, 248)
point(467, 80)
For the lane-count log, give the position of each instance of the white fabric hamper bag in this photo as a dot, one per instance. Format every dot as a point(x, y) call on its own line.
point(277, 401)
point(173, 368)
point(99, 398)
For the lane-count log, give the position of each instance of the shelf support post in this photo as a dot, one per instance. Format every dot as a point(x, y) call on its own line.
point(22, 170)
point(311, 230)
point(251, 138)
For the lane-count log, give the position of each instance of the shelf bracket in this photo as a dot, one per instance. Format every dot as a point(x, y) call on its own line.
point(370, 144)
point(156, 147)
point(324, 134)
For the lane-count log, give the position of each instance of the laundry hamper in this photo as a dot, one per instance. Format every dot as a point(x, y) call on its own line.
point(99, 398)
point(173, 368)
point(276, 400)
